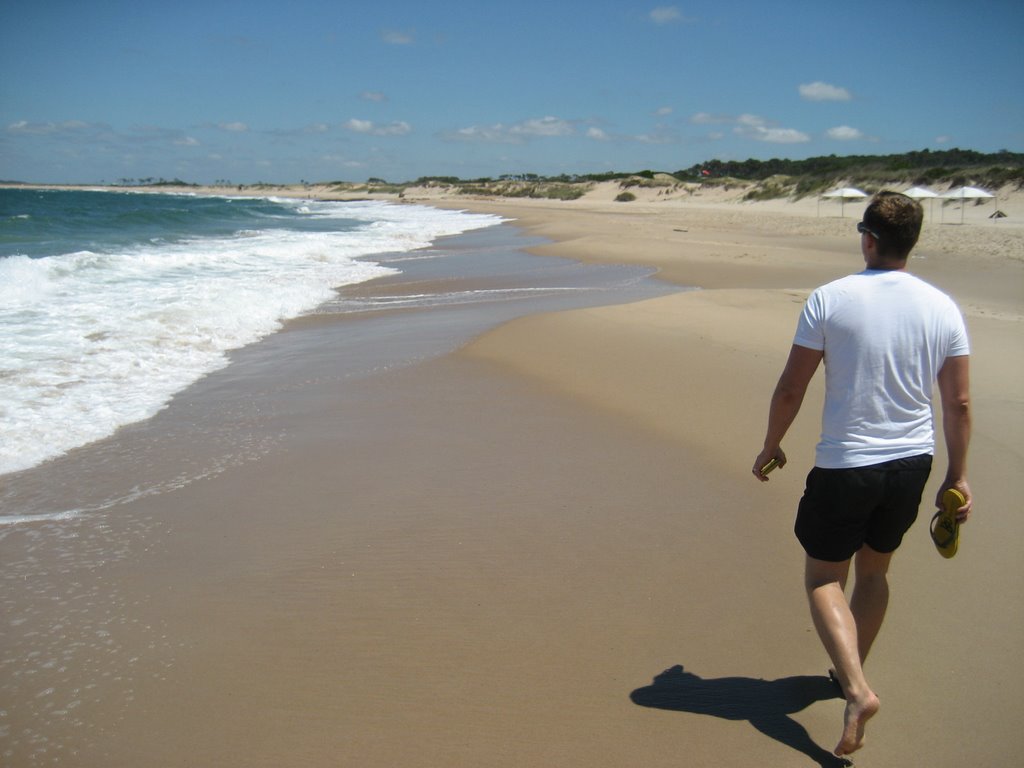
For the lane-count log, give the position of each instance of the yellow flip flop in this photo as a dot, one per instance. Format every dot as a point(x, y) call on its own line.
point(945, 529)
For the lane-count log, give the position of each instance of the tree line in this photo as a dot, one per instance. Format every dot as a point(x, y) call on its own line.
point(926, 162)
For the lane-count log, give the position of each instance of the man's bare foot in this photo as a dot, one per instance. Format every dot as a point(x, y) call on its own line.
point(858, 712)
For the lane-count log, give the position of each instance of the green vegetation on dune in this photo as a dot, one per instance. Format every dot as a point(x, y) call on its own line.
point(924, 166)
point(769, 179)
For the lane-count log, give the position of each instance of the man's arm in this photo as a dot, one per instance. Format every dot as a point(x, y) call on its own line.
point(955, 393)
point(786, 402)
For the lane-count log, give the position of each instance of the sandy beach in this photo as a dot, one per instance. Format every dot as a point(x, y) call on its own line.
point(539, 545)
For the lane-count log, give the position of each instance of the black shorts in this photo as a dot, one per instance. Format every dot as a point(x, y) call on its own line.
point(843, 509)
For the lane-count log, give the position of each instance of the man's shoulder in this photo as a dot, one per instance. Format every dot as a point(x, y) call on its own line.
point(920, 285)
point(842, 284)
point(871, 279)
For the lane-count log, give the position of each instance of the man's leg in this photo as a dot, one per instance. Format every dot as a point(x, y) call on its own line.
point(870, 596)
point(837, 629)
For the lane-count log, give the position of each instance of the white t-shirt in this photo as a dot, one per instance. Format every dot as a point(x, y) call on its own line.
point(885, 335)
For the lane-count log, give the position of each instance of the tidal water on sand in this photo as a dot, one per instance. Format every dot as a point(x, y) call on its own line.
point(142, 358)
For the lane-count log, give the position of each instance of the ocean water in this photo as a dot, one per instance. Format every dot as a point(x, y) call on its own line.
point(110, 302)
point(150, 321)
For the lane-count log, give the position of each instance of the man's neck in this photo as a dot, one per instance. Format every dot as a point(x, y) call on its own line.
point(886, 265)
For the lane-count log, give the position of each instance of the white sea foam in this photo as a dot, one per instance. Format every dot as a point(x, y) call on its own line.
point(42, 517)
point(92, 341)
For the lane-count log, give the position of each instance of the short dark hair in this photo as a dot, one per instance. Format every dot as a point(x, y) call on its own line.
point(896, 219)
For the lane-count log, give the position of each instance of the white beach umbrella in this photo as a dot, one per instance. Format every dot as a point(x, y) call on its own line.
point(963, 194)
point(919, 193)
point(844, 193)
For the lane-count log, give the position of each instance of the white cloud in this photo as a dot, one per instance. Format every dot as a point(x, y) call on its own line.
point(751, 127)
point(141, 134)
point(342, 161)
point(705, 118)
point(654, 138)
point(373, 96)
point(663, 111)
point(777, 135)
point(543, 126)
point(493, 134)
point(757, 128)
point(359, 126)
point(186, 141)
point(659, 135)
point(396, 37)
point(519, 133)
point(396, 128)
point(942, 139)
point(233, 127)
point(819, 91)
point(844, 133)
point(43, 129)
point(24, 126)
point(665, 14)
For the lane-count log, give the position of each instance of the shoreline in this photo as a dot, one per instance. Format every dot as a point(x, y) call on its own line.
point(496, 555)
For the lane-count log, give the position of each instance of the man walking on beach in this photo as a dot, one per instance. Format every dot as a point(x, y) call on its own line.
point(886, 338)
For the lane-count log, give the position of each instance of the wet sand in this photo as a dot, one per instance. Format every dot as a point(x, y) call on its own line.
point(542, 549)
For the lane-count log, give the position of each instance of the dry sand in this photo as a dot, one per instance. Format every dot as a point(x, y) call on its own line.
point(547, 549)
point(698, 368)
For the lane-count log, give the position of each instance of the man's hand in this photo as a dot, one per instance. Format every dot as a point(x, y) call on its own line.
point(762, 460)
point(964, 512)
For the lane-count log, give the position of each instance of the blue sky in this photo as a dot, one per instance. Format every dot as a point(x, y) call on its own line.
point(94, 90)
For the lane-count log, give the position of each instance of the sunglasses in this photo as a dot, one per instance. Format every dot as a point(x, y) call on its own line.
point(863, 229)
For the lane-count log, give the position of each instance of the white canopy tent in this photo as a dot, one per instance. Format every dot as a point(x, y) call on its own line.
point(843, 193)
point(963, 194)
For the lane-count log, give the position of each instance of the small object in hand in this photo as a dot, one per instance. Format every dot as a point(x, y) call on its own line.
point(769, 466)
point(945, 528)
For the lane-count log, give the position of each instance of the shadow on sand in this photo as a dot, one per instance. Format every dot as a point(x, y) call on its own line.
point(766, 704)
